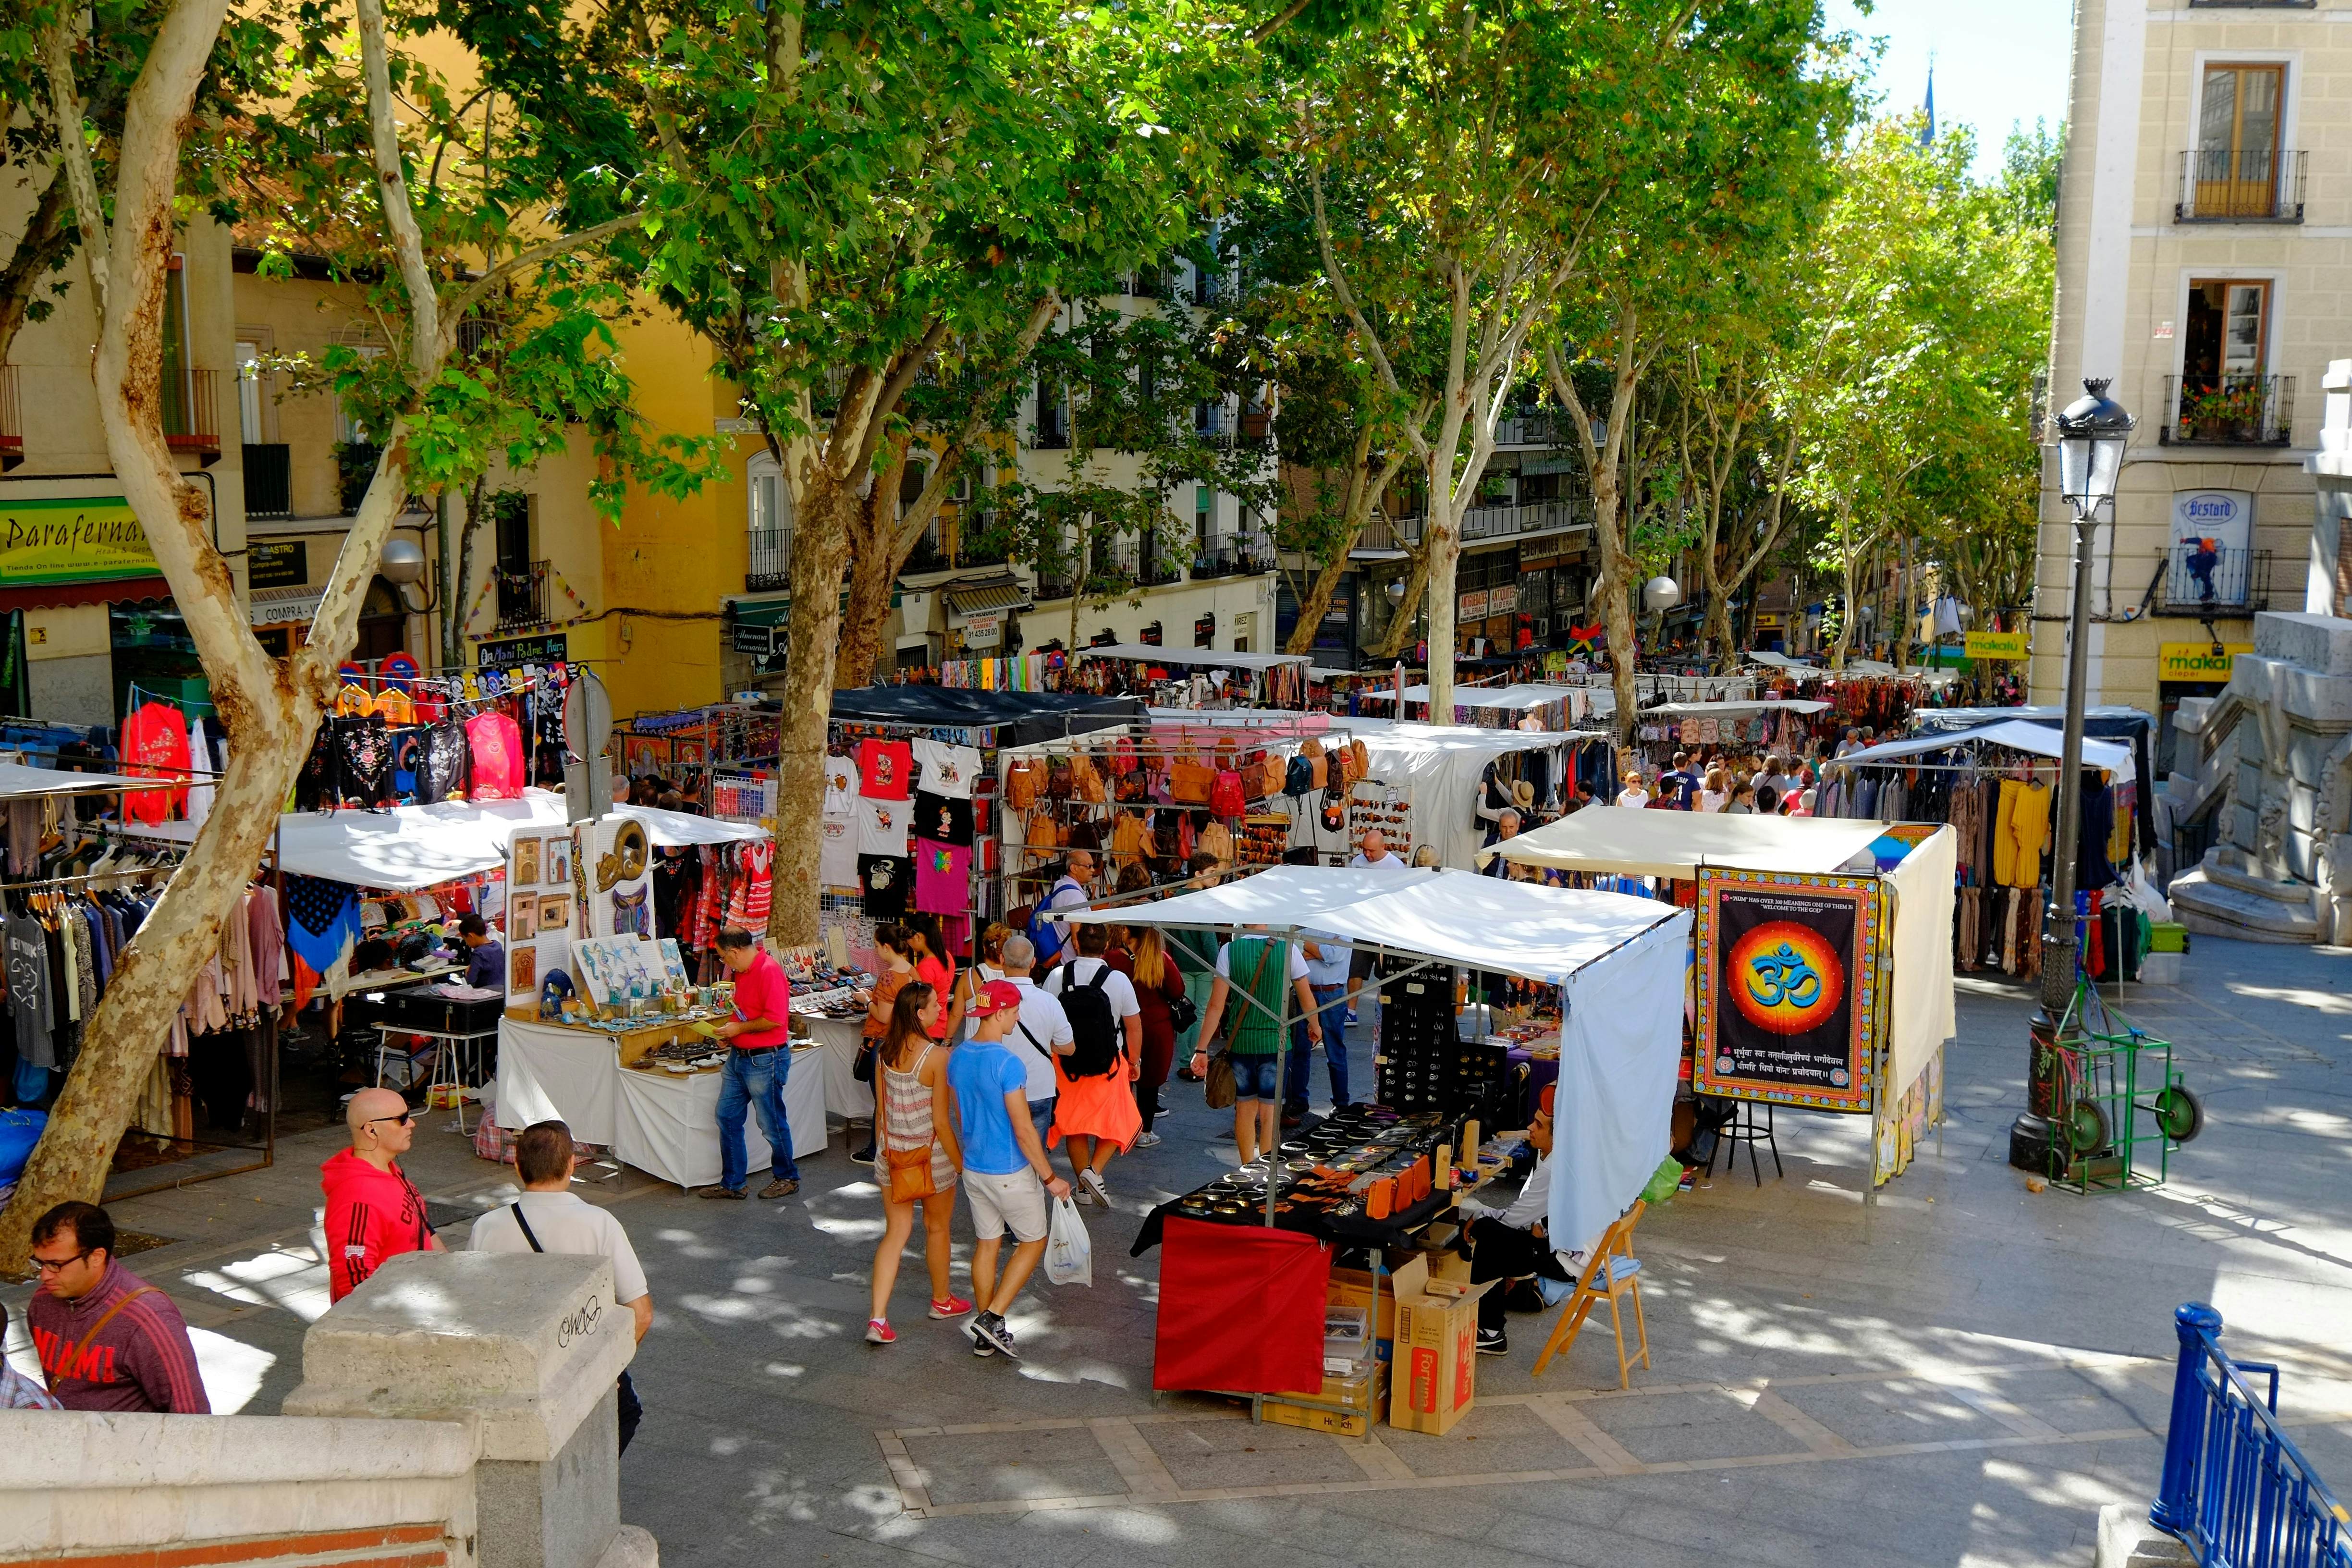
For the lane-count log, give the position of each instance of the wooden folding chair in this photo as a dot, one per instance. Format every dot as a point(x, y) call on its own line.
point(1613, 1271)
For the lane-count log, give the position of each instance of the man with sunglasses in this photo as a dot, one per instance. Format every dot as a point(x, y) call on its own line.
point(107, 1340)
point(373, 1211)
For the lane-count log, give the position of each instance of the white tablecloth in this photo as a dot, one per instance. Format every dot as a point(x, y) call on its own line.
point(843, 1096)
point(663, 1123)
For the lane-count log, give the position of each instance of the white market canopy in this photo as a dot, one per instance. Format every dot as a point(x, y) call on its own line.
point(19, 780)
point(1631, 841)
point(1760, 705)
point(411, 847)
point(1517, 928)
point(1202, 657)
point(2017, 734)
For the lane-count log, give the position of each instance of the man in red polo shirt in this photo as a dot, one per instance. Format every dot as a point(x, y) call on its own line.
point(758, 1060)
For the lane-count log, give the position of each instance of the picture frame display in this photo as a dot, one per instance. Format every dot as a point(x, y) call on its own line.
point(558, 859)
point(522, 971)
point(522, 917)
point(556, 915)
point(525, 873)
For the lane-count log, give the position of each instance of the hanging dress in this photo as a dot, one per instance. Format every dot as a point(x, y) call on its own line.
point(495, 742)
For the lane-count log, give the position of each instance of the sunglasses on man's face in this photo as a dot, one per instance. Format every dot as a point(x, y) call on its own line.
point(404, 1119)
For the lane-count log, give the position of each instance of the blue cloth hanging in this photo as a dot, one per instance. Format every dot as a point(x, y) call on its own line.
point(322, 920)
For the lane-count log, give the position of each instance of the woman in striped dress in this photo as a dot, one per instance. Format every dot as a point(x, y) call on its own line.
point(913, 1128)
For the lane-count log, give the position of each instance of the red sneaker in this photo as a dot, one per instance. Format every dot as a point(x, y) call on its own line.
point(953, 1307)
point(879, 1332)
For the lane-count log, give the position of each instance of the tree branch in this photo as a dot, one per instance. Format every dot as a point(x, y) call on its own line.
point(65, 110)
point(545, 251)
point(392, 189)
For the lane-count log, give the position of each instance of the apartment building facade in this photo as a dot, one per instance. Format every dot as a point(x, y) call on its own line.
point(2205, 269)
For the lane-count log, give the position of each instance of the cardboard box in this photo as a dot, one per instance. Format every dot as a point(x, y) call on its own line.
point(1437, 1356)
point(1353, 1288)
point(1344, 1406)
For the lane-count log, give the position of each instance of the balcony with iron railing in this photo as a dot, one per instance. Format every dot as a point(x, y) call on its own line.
point(269, 479)
point(1053, 432)
point(2228, 411)
point(12, 426)
point(2239, 185)
point(1544, 429)
point(769, 568)
point(2197, 581)
point(192, 412)
point(522, 597)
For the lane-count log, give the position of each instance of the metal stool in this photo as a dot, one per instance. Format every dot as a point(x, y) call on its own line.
point(1744, 1128)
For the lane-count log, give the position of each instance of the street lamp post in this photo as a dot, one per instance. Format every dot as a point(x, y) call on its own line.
point(2091, 436)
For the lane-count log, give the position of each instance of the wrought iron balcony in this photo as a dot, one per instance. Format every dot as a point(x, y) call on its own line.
point(2228, 411)
point(522, 597)
point(2224, 185)
point(269, 479)
point(2200, 581)
point(771, 565)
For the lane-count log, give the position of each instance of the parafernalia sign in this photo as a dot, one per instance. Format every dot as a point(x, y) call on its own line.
point(72, 539)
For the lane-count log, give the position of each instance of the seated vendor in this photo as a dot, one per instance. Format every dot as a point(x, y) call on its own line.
point(486, 957)
point(1511, 1244)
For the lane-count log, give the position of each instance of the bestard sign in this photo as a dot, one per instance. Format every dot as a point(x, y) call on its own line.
point(72, 539)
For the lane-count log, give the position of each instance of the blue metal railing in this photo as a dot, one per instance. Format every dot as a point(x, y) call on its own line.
point(2236, 1489)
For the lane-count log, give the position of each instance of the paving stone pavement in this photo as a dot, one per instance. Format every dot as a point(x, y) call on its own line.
point(1960, 1376)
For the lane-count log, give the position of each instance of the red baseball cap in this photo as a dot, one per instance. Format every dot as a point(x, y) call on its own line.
point(993, 997)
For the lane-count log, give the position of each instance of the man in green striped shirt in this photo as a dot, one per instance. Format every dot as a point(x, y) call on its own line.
point(1258, 966)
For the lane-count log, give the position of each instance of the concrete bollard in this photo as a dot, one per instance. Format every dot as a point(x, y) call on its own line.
point(524, 1348)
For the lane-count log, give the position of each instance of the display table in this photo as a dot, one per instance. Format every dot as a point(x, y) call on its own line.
point(666, 1124)
point(843, 1096)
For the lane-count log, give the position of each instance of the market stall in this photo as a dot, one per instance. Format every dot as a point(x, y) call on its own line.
point(1856, 916)
point(1382, 1174)
point(1188, 677)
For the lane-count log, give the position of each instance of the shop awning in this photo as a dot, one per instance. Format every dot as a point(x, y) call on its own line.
point(409, 847)
point(1006, 593)
point(1199, 657)
point(1023, 717)
point(64, 596)
point(1761, 705)
point(2017, 734)
point(1631, 842)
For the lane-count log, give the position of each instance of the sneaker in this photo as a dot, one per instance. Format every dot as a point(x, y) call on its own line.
point(879, 1332)
point(864, 1156)
point(782, 1187)
point(1494, 1342)
point(953, 1307)
point(1351, 1020)
point(979, 1346)
point(1159, 1105)
point(1147, 1141)
point(989, 1329)
point(716, 1191)
point(1093, 1184)
point(1188, 1074)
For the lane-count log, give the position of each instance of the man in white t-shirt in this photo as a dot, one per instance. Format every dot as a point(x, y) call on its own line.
point(1043, 1029)
point(550, 1217)
point(1068, 892)
point(1375, 854)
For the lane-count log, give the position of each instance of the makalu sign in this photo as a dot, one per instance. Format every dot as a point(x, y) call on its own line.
point(72, 539)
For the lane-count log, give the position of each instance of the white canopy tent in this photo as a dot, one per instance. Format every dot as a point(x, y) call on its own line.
point(1759, 705)
point(17, 780)
point(411, 847)
point(1441, 765)
point(1200, 658)
point(1608, 839)
point(2017, 734)
point(1620, 959)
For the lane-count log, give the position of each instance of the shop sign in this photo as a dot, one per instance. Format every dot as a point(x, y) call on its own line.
point(1152, 635)
point(1789, 990)
point(757, 641)
point(1204, 630)
point(2222, 520)
point(277, 563)
point(2198, 660)
point(1995, 645)
point(65, 539)
point(1502, 600)
point(1472, 606)
point(548, 647)
point(984, 631)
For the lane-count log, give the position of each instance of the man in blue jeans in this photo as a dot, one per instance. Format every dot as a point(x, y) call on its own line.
point(758, 1061)
point(1326, 974)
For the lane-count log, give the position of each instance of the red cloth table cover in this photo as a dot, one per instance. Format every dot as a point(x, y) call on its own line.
point(1241, 1308)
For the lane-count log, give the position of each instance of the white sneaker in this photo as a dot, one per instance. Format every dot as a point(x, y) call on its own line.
point(1095, 1184)
point(1147, 1141)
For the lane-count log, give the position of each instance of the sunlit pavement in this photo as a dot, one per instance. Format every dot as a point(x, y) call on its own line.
point(1964, 1384)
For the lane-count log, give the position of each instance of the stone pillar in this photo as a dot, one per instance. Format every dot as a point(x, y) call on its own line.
point(523, 1348)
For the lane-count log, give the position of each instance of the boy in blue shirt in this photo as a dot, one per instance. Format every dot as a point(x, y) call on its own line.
point(1005, 1173)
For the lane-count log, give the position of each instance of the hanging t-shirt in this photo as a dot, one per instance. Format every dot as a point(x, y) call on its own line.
point(885, 768)
point(155, 734)
point(941, 820)
point(442, 763)
point(883, 880)
point(882, 826)
point(942, 879)
point(837, 856)
point(495, 743)
point(29, 991)
point(948, 770)
point(840, 785)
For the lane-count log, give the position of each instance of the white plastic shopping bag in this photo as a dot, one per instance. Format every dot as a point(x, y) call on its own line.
point(1069, 1256)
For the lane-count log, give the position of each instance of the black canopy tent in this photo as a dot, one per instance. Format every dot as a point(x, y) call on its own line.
point(1021, 718)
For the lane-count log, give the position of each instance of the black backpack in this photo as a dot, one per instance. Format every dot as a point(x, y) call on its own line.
point(1093, 1031)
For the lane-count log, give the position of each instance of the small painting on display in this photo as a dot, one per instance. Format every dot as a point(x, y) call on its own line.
point(522, 917)
point(559, 863)
point(556, 915)
point(522, 971)
point(526, 863)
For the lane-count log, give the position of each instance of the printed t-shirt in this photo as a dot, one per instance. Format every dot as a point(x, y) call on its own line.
point(981, 1073)
point(882, 827)
point(948, 770)
point(840, 785)
point(942, 879)
point(883, 880)
point(884, 769)
point(941, 820)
